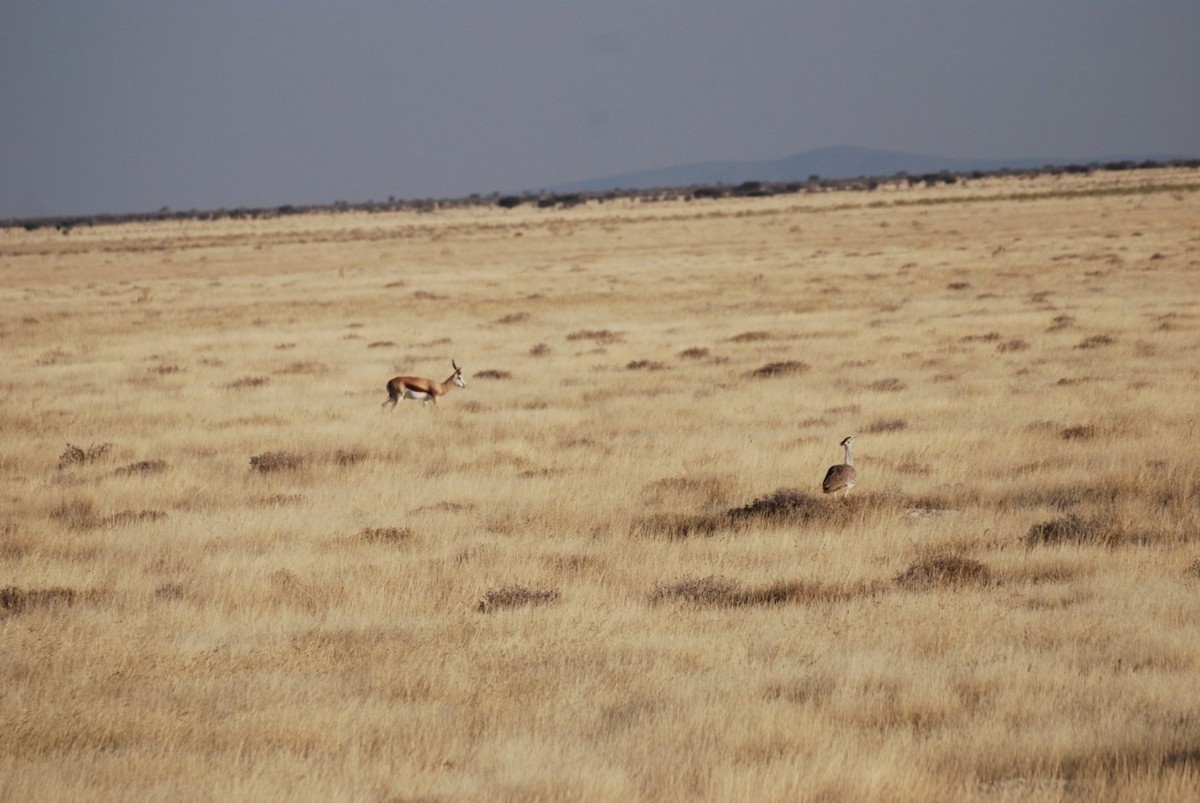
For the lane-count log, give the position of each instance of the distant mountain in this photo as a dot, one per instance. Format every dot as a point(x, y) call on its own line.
point(833, 162)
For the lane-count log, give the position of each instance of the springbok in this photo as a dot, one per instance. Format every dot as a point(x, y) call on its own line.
point(416, 387)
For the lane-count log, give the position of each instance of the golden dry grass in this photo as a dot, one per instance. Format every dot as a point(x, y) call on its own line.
point(604, 570)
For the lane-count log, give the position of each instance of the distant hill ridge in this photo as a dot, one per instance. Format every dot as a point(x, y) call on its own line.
point(836, 162)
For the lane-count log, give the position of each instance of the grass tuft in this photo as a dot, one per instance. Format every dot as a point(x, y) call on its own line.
point(385, 535)
point(786, 368)
point(1096, 530)
point(14, 600)
point(78, 456)
point(125, 518)
point(790, 506)
point(944, 570)
point(143, 467)
point(268, 462)
point(600, 336)
point(516, 596)
point(751, 337)
point(247, 382)
point(1078, 432)
point(886, 425)
point(721, 592)
point(349, 457)
point(1096, 341)
point(645, 365)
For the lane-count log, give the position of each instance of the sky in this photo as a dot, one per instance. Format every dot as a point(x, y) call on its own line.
point(110, 106)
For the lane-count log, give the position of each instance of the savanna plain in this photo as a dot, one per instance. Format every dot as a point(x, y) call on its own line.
point(605, 569)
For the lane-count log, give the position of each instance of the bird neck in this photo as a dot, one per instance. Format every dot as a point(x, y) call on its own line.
point(849, 457)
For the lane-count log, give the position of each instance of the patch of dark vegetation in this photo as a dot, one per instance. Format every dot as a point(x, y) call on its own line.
point(1068, 381)
point(125, 518)
point(790, 506)
point(516, 596)
point(1096, 341)
point(539, 350)
point(1193, 570)
point(278, 500)
point(385, 535)
point(709, 590)
point(81, 514)
point(990, 337)
point(601, 336)
point(1070, 528)
point(78, 456)
point(311, 367)
point(397, 283)
point(888, 384)
point(645, 365)
point(492, 373)
point(1061, 322)
point(276, 461)
point(381, 344)
point(169, 591)
point(247, 382)
point(942, 571)
point(164, 370)
point(886, 425)
point(694, 353)
point(514, 317)
point(1097, 530)
point(1016, 344)
point(143, 467)
point(773, 369)
point(845, 409)
point(349, 457)
point(76, 514)
point(14, 600)
point(1078, 432)
point(751, 337)
point(814, 184)
point(722, 592)
point(959, 286)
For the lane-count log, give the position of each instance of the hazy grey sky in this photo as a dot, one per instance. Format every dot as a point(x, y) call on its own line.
point(112, 106)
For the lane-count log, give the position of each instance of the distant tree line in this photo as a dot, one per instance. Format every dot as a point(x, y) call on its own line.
point(547, 200)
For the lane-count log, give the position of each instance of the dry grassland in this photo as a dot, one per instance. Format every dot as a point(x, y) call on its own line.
point(604, 570)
